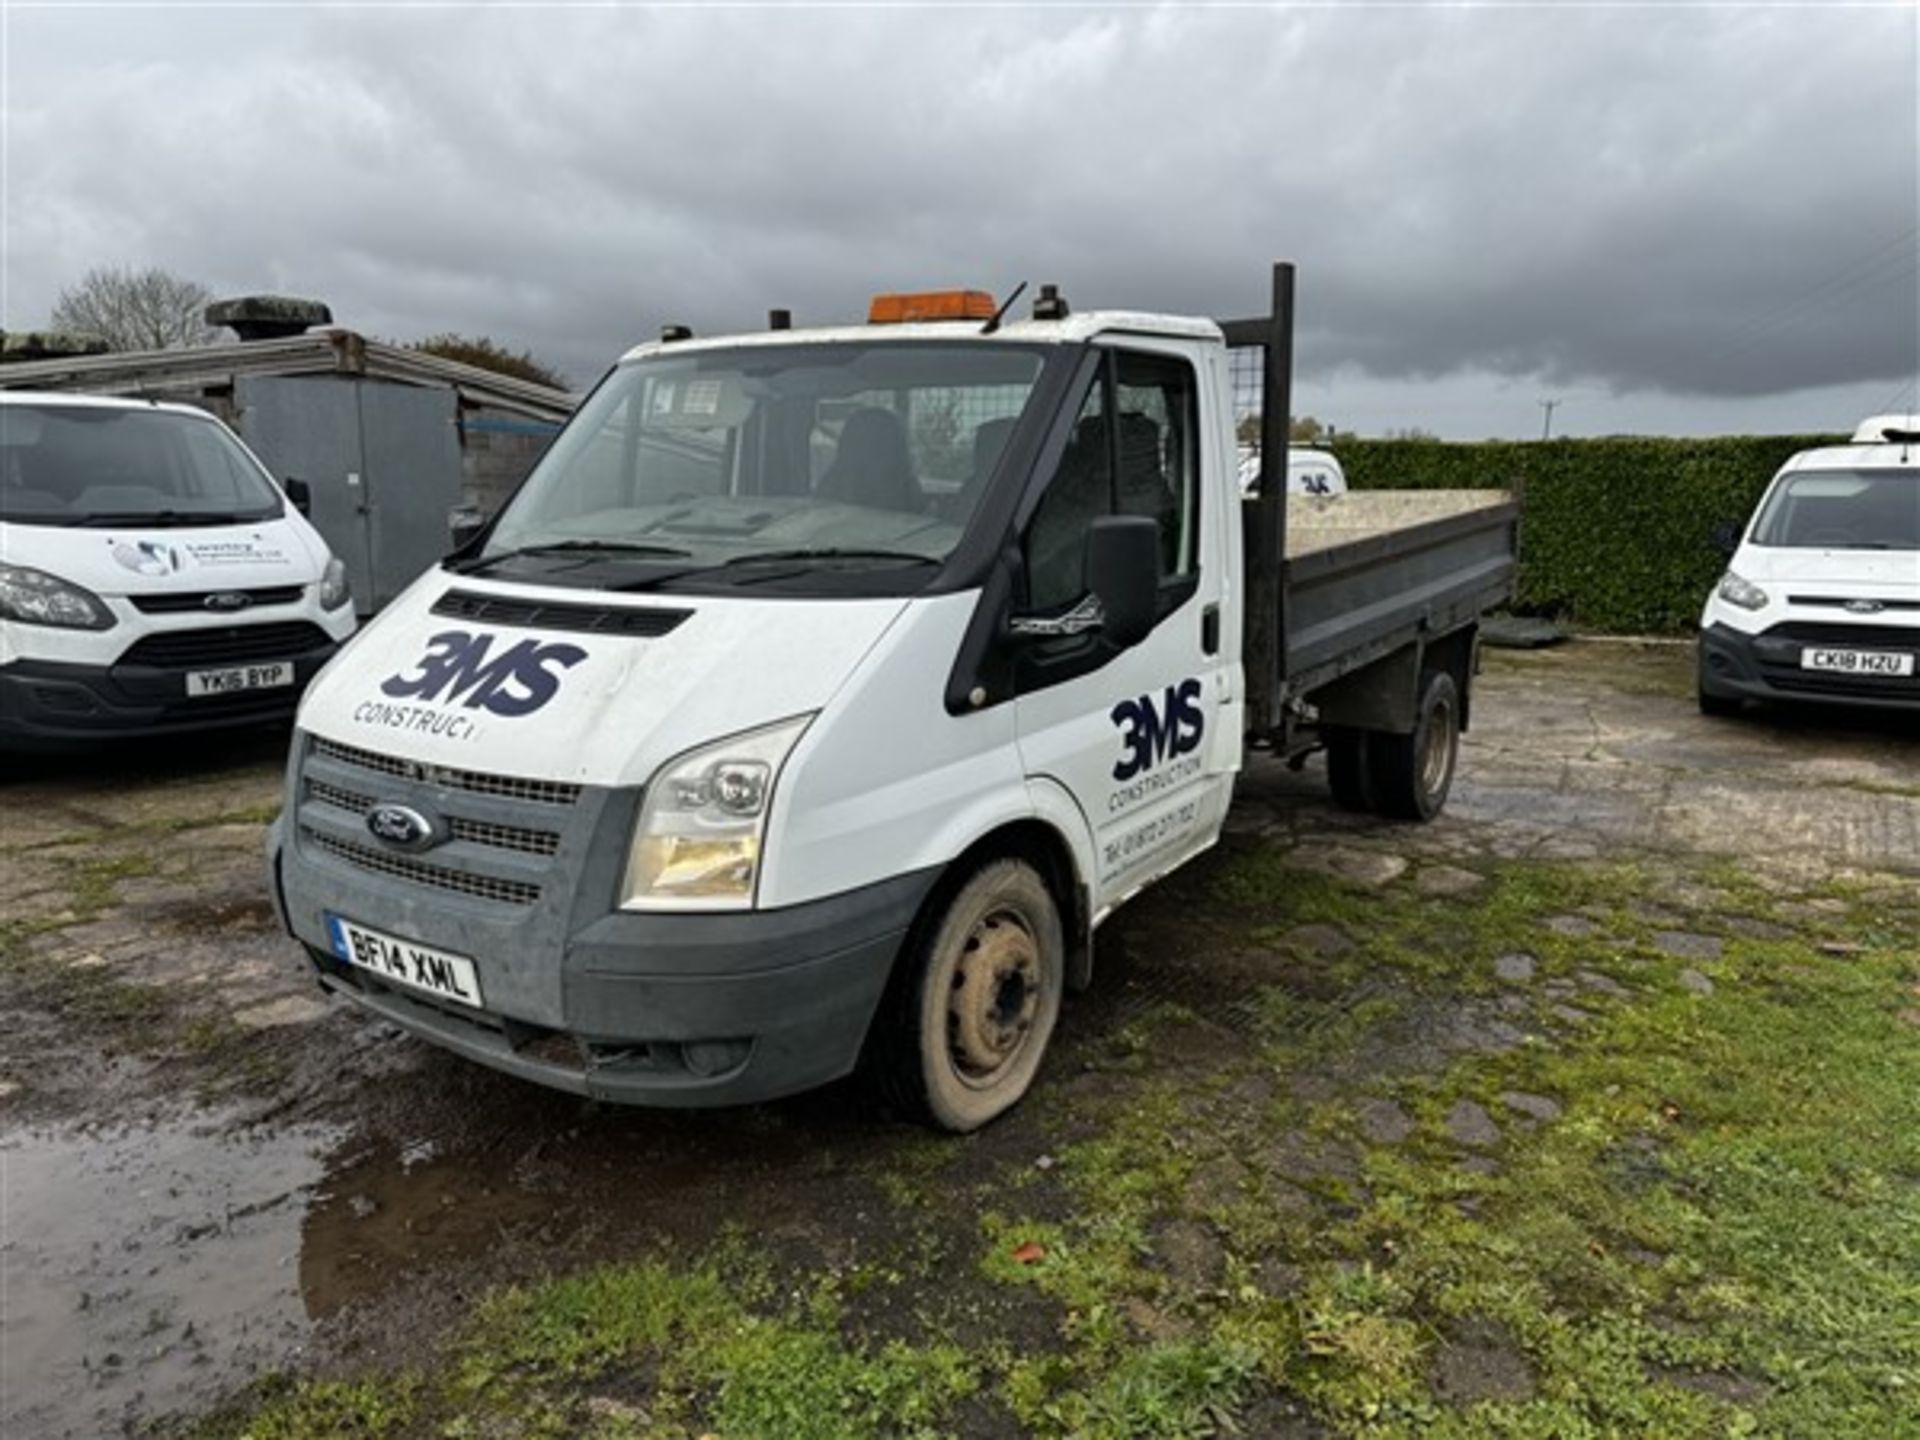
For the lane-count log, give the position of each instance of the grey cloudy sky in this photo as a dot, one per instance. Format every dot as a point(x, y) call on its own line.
point(1677, 220)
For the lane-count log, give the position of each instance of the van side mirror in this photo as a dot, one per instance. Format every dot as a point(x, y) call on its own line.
point(299, 495)
point(1726, 538)
point(1123, 571)
point(464, 526)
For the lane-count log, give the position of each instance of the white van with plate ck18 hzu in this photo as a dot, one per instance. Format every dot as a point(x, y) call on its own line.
point(153, 578)
point(822, 691)
point(1820, 602)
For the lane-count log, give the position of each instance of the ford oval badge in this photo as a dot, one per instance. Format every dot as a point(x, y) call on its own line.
point(228, 600)
point(1866, 607)
point(402, 827)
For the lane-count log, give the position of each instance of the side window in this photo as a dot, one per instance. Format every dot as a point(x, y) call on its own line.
point(1134, 451)
point(1159, 457)
point(1081, 489)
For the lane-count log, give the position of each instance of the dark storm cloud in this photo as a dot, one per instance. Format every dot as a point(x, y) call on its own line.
point(1709, 201)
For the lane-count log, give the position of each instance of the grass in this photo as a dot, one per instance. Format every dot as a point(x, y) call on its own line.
point(1717, 1234)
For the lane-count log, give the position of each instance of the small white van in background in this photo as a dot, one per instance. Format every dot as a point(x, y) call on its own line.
point(1309, 472)
point(1821, 598)
point(153, 578)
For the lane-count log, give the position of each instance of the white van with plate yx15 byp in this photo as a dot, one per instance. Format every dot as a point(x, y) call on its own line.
point(821, 691)
point(1821, 598)
point(153, 578)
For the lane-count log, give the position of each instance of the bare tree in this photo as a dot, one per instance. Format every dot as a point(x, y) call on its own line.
point(151, 309)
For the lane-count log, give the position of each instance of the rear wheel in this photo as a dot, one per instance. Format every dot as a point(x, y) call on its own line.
point(1411, 774)
point(1347, 769)
point(966, 1031)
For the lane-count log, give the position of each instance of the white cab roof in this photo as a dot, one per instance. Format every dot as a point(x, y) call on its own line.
point(1079, 326)
point(96, 402)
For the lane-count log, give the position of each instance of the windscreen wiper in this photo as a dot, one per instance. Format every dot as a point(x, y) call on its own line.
point(794, 559)
point(826, 552)
point(572, 547)
point(164, 519)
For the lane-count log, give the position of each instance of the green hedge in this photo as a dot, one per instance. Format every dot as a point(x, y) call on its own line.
point(1615, 534)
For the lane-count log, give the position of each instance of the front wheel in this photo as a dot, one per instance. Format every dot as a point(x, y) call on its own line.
point(970, 1024)
point(1412, 774)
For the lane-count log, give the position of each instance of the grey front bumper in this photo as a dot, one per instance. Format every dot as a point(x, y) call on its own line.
point(659, 1009)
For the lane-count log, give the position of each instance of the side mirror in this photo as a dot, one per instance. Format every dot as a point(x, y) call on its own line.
point(1726, 538)
point(1123, 572)
point(299, 495)
point(464, 526)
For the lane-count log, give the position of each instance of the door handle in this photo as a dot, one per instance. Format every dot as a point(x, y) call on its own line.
point(1210, 630)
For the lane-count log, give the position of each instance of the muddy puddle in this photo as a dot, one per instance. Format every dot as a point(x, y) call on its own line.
point(144, 1265)
point(147, 1269)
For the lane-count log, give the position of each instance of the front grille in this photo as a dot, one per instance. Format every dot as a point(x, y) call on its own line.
point(459, 882)
point(226, 645)
point(175, 603)
point(1840, 602)
point(1865, 637)
point(538, 792)
point(634, 621)
point(479, 832)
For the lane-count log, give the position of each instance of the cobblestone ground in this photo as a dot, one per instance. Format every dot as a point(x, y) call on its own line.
point(212, 1172)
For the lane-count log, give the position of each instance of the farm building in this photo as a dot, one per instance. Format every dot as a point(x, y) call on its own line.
point(389, 440)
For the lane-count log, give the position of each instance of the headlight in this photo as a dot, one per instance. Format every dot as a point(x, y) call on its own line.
point(34, 597)
point(333, 586)
point(1744, 593)
point(696, 845)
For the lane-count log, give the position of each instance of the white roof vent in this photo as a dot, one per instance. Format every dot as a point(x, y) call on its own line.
point(1887, 429)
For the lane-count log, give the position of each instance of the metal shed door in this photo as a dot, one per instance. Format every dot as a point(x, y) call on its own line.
point(410, 449)
point(308, 428)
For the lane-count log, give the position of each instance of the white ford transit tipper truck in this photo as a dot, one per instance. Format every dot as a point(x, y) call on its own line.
point(1821, 598)
point(153, 578)
point(822, 691)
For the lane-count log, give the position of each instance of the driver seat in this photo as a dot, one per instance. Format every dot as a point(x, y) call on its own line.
point(872, 465)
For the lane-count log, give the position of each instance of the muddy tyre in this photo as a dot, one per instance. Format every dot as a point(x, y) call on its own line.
point(1411, 774)
point(1347, 770)
point(967, 1022)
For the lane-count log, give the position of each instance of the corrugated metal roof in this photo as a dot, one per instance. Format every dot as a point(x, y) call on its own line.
point(322, 351)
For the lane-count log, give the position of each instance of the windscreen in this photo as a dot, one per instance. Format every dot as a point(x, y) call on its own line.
point(76, 465)
point(840, 451)
point(1843, 510)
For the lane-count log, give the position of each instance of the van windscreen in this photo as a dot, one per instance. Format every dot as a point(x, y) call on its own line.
point(79, 465)
point(840, 456)
point(1843, 510)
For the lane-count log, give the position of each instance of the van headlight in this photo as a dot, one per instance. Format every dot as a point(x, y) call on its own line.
point(33, 597)
point(696, 845)
point(1736, 590)
point(333, 585)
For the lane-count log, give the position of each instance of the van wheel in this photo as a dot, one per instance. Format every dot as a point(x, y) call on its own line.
point(1347, 775)
point(1412, 774)
point(963, 1036)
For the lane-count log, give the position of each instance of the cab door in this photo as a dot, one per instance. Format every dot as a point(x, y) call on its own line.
point(1133, 734)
